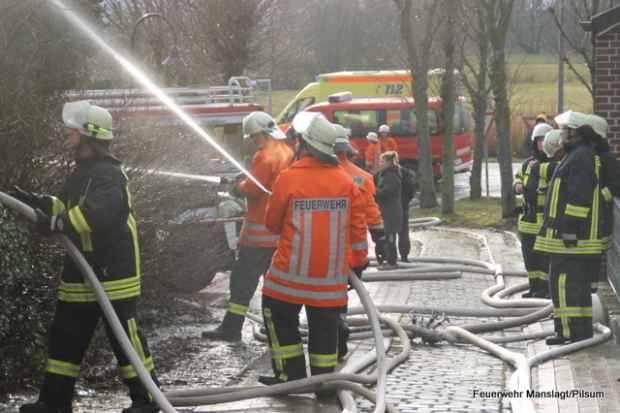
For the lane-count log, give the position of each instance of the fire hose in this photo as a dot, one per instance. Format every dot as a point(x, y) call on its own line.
point(520, 312)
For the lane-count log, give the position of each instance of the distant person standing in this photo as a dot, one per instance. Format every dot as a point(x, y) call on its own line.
point(384, 143)
point(389, 196)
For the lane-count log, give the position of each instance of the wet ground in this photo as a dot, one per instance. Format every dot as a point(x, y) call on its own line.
point(434, 377)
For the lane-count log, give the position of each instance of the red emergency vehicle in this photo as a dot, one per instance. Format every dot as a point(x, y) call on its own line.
point(363, 115)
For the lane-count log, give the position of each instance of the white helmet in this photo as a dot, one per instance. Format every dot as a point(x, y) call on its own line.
point(551, 144)
point(599, 124)
point(541, 130)
point(257, 122)
point(90, 120)
point(571, 120)
point(342, 134)
point(372, 137)
point(317, 131)
point(384, 129)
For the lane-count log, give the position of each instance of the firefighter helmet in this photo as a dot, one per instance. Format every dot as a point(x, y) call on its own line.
point(92, 121)
point(316, 131)
point(384, 129)
point(571, 120)
point(342, 144)
point(599, 124)
point(551, 144)
point(257, 122)
point(540, 130)
point(372, 137)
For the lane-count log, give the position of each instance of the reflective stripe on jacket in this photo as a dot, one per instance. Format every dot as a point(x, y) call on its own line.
point(365, 182)
point(322, 229)
point(267, 164)
point(97, 204)
point(576, 205)
point(535, 183)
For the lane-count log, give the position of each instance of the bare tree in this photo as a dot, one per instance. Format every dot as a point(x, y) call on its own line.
point(474, 75)
point(497, 15)
point(578, 40)
point(448, 96)
point(418, 55)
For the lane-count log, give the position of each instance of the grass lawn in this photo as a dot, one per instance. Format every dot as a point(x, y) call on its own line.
point(482, 213)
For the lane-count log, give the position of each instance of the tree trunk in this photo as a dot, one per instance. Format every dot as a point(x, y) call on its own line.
point(502, 122)
point(418, 62)
point(475, 180)
point(448, 97)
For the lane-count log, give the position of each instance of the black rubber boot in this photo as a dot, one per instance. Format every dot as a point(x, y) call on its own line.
point(142, 407)
point(270, 380)
point(343, 339)
point(141, 401)
point(228, 330)
point(40, 407)
point(557, 340)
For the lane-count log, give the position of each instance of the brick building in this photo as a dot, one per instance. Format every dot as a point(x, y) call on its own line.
point(605, 29)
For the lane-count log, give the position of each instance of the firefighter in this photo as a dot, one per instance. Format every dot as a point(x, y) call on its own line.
point(365, 183)
point(322, 230)
point(373, 152)
point(385, 143)
point(530, 186)
point(610, 181)
point(256, 242)
point(95, 211)
point(574, 228)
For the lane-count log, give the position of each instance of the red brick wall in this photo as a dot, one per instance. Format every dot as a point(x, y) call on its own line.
point(607, 83)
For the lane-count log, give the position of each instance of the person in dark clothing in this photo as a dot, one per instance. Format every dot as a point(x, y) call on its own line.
point(407, 194)
point(575, 229)
point(530, 186)
point(95, 211)
point(610, 179)
point(389, 197)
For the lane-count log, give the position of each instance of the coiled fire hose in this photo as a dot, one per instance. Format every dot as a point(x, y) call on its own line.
point(520, 311)
point(330, 380)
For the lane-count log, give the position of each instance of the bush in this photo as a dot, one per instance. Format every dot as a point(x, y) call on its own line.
point(27, 287)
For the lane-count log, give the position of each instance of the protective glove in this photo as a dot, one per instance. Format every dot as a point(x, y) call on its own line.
point(570, 240)
point(26, 197)
point(359, 270)
point(46, 225)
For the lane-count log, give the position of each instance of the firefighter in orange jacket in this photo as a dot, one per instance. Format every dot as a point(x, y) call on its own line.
point(383, 143)
point(365, 182)
point(374, 220)
point(256, 242)
point(322, 230)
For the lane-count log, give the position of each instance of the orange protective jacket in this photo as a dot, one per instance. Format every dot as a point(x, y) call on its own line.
point(267, 164)
point(319, 213)
point(374, 151)
point(366, 183)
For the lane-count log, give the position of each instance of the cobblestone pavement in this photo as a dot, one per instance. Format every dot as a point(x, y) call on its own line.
point(440, 378)
point(443, 378)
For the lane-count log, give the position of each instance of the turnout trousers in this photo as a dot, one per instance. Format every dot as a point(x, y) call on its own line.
point(252, 263)
point(70, 334)
point(287, 352)
point(536, 265)
point(569, 283)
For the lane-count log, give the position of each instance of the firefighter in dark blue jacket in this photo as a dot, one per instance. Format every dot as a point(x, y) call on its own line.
point(94, 210)
point(575, 230)
point(530, 187)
